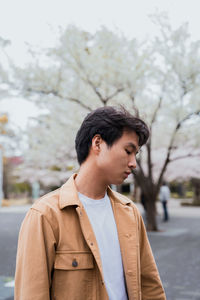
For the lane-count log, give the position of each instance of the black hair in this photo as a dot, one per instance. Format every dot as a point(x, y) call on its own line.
point(110, 123)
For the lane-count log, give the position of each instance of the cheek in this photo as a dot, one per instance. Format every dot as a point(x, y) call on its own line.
point(119, 161)
point(113, 160)
point(104, 161)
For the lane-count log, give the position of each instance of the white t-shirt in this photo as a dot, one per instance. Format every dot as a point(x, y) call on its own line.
point(103, 223)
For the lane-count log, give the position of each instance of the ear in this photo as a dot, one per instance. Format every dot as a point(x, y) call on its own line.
point(96, 142)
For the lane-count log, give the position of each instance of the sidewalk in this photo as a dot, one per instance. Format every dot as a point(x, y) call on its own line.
point(15, 208)
point(176, 209)
point(176, 250)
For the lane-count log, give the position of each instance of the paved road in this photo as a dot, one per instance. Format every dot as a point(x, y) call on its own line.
point(10, 220)
point(176, 250)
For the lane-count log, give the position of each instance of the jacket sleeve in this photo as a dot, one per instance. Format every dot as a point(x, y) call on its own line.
point(35, 258)
point(151, 286)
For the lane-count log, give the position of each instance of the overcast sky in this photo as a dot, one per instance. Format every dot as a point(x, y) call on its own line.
point(36, 22)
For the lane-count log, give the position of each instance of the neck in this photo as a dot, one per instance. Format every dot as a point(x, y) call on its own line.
point(89, 182)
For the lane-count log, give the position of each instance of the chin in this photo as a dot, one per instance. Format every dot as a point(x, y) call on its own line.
point(118, 181)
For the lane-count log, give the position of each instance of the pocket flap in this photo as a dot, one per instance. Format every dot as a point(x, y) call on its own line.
point(73, 260)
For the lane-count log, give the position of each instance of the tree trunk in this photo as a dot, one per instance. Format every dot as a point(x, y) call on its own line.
point(151, 215)
point(149, 191)
point(136, 192)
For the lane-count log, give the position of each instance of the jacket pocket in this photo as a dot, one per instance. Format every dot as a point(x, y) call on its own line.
point(73, 260)
point(73, 276)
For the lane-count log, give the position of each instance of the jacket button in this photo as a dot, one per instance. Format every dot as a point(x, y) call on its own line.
point(74, 263)
point(128, 235)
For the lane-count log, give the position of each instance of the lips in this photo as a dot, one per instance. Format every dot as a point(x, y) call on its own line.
point(126, 174)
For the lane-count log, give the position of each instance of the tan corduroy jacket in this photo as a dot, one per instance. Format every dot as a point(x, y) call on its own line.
point(58, 257)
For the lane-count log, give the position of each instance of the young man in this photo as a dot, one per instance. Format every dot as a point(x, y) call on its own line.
point(85, 241)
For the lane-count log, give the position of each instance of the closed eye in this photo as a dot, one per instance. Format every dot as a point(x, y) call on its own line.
point(128, 152)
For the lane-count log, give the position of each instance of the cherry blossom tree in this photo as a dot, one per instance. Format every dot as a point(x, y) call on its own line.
point(177, 113)
point(157, 81)
point(83, 72)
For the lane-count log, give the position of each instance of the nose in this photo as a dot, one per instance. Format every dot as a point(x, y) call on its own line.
point(132, 163)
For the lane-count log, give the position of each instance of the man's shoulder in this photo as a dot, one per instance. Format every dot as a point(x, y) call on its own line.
point(48, 202)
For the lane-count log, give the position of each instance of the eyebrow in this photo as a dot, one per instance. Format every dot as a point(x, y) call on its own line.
point(134, 147)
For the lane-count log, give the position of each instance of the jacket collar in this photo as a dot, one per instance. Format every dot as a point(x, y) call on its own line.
point(117, 197)
point(69, 194)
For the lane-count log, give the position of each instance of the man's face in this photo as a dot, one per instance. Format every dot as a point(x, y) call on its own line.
point(116, 162)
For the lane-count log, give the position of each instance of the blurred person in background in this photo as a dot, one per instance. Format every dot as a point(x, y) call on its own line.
point(84, 241)
point(164, 197)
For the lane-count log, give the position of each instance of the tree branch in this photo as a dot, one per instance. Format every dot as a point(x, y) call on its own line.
point(179, 124)
point(102, 99)
point(137, 114)
point(55, 93)
point(184, 156)
point(95, 89)
point(155, 112)
point(79, 102)
point(170, 147)
point(119, 90)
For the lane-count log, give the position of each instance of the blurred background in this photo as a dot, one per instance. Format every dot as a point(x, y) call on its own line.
point(58, 61)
